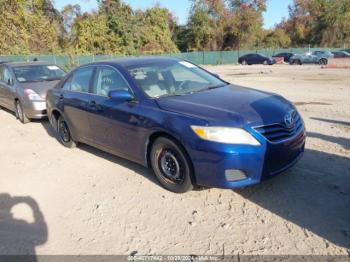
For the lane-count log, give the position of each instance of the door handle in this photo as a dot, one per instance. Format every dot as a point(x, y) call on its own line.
point(61, 97)
point(92, 103)
point(94, 106)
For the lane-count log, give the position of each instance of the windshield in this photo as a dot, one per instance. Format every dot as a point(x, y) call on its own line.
point(173, 78)
point(38, 73)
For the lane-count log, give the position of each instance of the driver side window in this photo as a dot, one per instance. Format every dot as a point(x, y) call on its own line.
point(109, 79)
point(5, 75)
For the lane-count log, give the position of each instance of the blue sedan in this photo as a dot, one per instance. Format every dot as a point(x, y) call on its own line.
point(191, 127)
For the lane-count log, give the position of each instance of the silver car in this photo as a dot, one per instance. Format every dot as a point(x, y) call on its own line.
point(23, 87)
point(315, 57)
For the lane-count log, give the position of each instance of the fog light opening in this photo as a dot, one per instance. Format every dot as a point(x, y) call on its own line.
point(234, 175)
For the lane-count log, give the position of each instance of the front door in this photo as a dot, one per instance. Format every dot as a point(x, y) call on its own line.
point(113, 123)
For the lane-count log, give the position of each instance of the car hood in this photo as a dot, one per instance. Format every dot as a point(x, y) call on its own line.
point(230, 106)
point(40, 87)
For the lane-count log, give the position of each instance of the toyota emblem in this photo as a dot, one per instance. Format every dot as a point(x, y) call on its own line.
point(289, 119)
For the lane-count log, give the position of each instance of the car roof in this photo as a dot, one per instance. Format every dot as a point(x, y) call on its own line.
point(137, 61)
point(15, 64)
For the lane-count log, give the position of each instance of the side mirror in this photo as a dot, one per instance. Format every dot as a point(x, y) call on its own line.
point(120, 95)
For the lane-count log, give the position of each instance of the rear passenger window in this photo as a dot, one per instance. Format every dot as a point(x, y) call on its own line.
point(81, 79)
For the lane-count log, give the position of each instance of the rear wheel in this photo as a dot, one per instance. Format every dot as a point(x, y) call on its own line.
point(297, 62)
point(244, 62)
point(171, 165)
point(20, 115)
point(64, 134)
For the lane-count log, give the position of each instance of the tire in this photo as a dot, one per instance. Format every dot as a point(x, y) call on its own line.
point(323, 61)
point(244, 62)
point(171, 166)
point(20, 115)
point(64, 134)
point(266, 62)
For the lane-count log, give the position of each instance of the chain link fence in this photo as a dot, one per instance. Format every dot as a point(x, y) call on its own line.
point(202, 58)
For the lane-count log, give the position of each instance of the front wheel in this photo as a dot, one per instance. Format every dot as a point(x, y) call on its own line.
point(171, 166)
point(64, 134)
point(20, 115)
point(323, 61)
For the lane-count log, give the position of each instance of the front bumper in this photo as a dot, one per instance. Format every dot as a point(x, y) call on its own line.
point(212, 160)
point(35, 109)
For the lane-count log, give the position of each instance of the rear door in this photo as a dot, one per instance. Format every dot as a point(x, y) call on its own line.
point(257, 59)
point(113, 123)
point(74, 99)
point(250, 59)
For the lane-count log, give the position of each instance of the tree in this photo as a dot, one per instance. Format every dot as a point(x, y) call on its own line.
point(91, 35)
point(318, 22)
point(276, 38)
point(29, 27)
point(156, 36)
point(207, 24)
point(247, 22)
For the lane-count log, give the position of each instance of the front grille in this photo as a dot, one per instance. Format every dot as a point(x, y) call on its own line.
point(279, 132)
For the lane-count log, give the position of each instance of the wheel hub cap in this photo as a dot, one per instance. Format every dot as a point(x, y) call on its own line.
point(170, 165)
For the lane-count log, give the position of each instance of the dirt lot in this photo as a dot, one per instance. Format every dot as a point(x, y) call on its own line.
point(85, 201)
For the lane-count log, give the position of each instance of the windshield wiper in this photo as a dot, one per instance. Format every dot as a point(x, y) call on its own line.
point(214, 87)
point(53, 79)
point(193, 91)
point(168, 95)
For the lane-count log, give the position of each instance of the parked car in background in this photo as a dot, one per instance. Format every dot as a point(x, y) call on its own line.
point(315, 57)
point(286, 56)
point(23, 87)
point(190, 126)
point(255, 59)
point(341, 54)
point(346, 50)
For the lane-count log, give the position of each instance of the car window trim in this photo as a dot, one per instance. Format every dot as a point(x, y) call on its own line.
point(94, 82)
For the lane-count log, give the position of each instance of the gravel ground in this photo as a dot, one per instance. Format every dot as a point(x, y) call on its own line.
point(83, 201)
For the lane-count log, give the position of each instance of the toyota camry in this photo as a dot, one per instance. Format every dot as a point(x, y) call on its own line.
point(187, 124)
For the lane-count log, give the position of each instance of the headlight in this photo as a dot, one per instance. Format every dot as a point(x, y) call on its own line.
point(226, 135)
point(32, 95)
